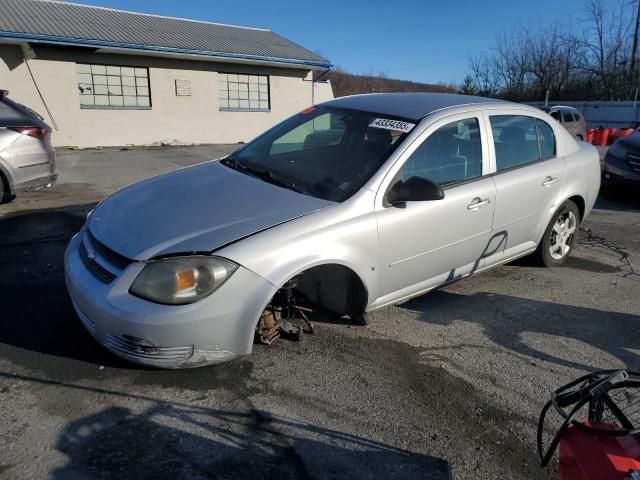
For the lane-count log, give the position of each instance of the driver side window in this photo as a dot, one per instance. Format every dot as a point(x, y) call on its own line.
point(451, 154)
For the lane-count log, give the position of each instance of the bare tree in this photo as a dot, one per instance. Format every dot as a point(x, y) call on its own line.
point(550, 57)
point(483, 73)
point(595, 62)
point(606, 45)
point(510, 63)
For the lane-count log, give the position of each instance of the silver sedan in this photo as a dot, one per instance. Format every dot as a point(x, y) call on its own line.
point(348, 206)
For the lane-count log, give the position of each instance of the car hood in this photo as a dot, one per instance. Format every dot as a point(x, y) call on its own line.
point(631, 142)
point(196, 209)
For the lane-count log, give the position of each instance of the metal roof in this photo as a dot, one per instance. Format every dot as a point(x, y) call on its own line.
point(408, 105)
point(63, 23)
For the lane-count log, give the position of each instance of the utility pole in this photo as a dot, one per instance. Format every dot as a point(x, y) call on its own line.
point(634, 48)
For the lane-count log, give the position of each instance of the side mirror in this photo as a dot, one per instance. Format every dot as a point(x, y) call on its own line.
point(416, 189)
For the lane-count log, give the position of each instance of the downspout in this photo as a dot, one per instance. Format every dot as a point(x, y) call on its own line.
point(313, 85)
point(29, 54)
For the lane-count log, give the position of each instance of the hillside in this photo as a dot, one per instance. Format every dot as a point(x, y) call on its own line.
point(348, 84)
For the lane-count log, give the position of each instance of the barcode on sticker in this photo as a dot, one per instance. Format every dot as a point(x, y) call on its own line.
point(388, 124)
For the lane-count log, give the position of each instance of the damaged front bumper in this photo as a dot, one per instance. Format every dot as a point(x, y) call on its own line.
point(215, 329)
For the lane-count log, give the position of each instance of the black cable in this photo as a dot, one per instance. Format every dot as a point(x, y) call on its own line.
point(593, 387)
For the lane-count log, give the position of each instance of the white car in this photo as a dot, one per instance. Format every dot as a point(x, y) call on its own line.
point(352, 205)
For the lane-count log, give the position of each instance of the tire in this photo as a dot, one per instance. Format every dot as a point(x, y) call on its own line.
point(559, 237)
point(579, 137)
point(2, 189)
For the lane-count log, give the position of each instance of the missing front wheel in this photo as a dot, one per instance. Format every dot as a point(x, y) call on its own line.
point(283, 317)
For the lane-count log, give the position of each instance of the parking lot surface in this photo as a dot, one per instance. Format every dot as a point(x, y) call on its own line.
point(450, 381)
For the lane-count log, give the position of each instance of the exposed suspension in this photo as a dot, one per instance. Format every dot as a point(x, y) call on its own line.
point(283, 317)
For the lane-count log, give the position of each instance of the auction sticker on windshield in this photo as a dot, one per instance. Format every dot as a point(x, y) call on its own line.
point(388, 124)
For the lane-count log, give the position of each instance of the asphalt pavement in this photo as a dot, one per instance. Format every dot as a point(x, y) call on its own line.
point(452, 381)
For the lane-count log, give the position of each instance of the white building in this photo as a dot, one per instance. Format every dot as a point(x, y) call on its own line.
point(103, 77)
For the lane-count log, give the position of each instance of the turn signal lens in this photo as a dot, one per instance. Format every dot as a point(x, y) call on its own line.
point(185, 280)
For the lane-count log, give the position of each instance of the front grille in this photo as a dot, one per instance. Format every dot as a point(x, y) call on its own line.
point(98, 271)
point(634, 161)
point(109, 255)
point(136, 350)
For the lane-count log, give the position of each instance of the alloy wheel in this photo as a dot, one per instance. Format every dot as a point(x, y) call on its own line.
point(562, 235)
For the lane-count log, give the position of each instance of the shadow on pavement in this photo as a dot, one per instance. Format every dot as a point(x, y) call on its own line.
point(506, 320)
point(176, 441)
point(618, 199)
point(37, 314)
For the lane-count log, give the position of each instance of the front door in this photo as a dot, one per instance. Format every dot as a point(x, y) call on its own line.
point(425, 244)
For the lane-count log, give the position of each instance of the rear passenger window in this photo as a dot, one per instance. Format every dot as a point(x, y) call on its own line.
point(546, 139)
point(515, 139)
point(567, 116)
point(520, 140)
point(451, 154)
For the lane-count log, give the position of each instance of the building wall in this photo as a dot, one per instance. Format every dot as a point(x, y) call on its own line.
point(172, 119)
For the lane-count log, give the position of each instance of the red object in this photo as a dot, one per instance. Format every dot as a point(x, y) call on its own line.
point(613, 134)
point(601, 136)
point(588, 456)
point(590, 133)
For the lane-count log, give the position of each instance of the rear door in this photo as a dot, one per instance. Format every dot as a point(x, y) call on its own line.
point(528, 176)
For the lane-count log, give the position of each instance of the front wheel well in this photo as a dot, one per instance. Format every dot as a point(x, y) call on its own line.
point(5, 191)
point(334, 287)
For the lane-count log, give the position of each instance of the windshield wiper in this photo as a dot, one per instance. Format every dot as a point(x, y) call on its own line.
point(283, 183)
point(266, 175)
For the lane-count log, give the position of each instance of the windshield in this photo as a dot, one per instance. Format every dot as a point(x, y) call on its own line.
point(328, 153)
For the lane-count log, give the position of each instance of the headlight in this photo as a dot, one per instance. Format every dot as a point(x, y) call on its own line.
point(181, 280)
point(618, 150)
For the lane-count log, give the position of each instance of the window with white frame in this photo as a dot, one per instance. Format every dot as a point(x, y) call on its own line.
point(243, 92)
point(115, 87)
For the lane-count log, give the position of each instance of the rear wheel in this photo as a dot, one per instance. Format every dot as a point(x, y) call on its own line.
point(2, 188)
point(559, 237)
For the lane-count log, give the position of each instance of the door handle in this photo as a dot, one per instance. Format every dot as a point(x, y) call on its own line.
point(477, 203)
point(549, 181)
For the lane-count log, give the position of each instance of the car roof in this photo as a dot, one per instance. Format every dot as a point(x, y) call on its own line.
point(408, 105)
point(565, 107)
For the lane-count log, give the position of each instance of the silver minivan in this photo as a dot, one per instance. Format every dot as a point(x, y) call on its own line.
point(27, 158)
point(348, 206)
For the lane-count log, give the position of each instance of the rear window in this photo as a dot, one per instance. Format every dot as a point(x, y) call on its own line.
point(520, 140)
point(13, 114)
point(8, 113)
